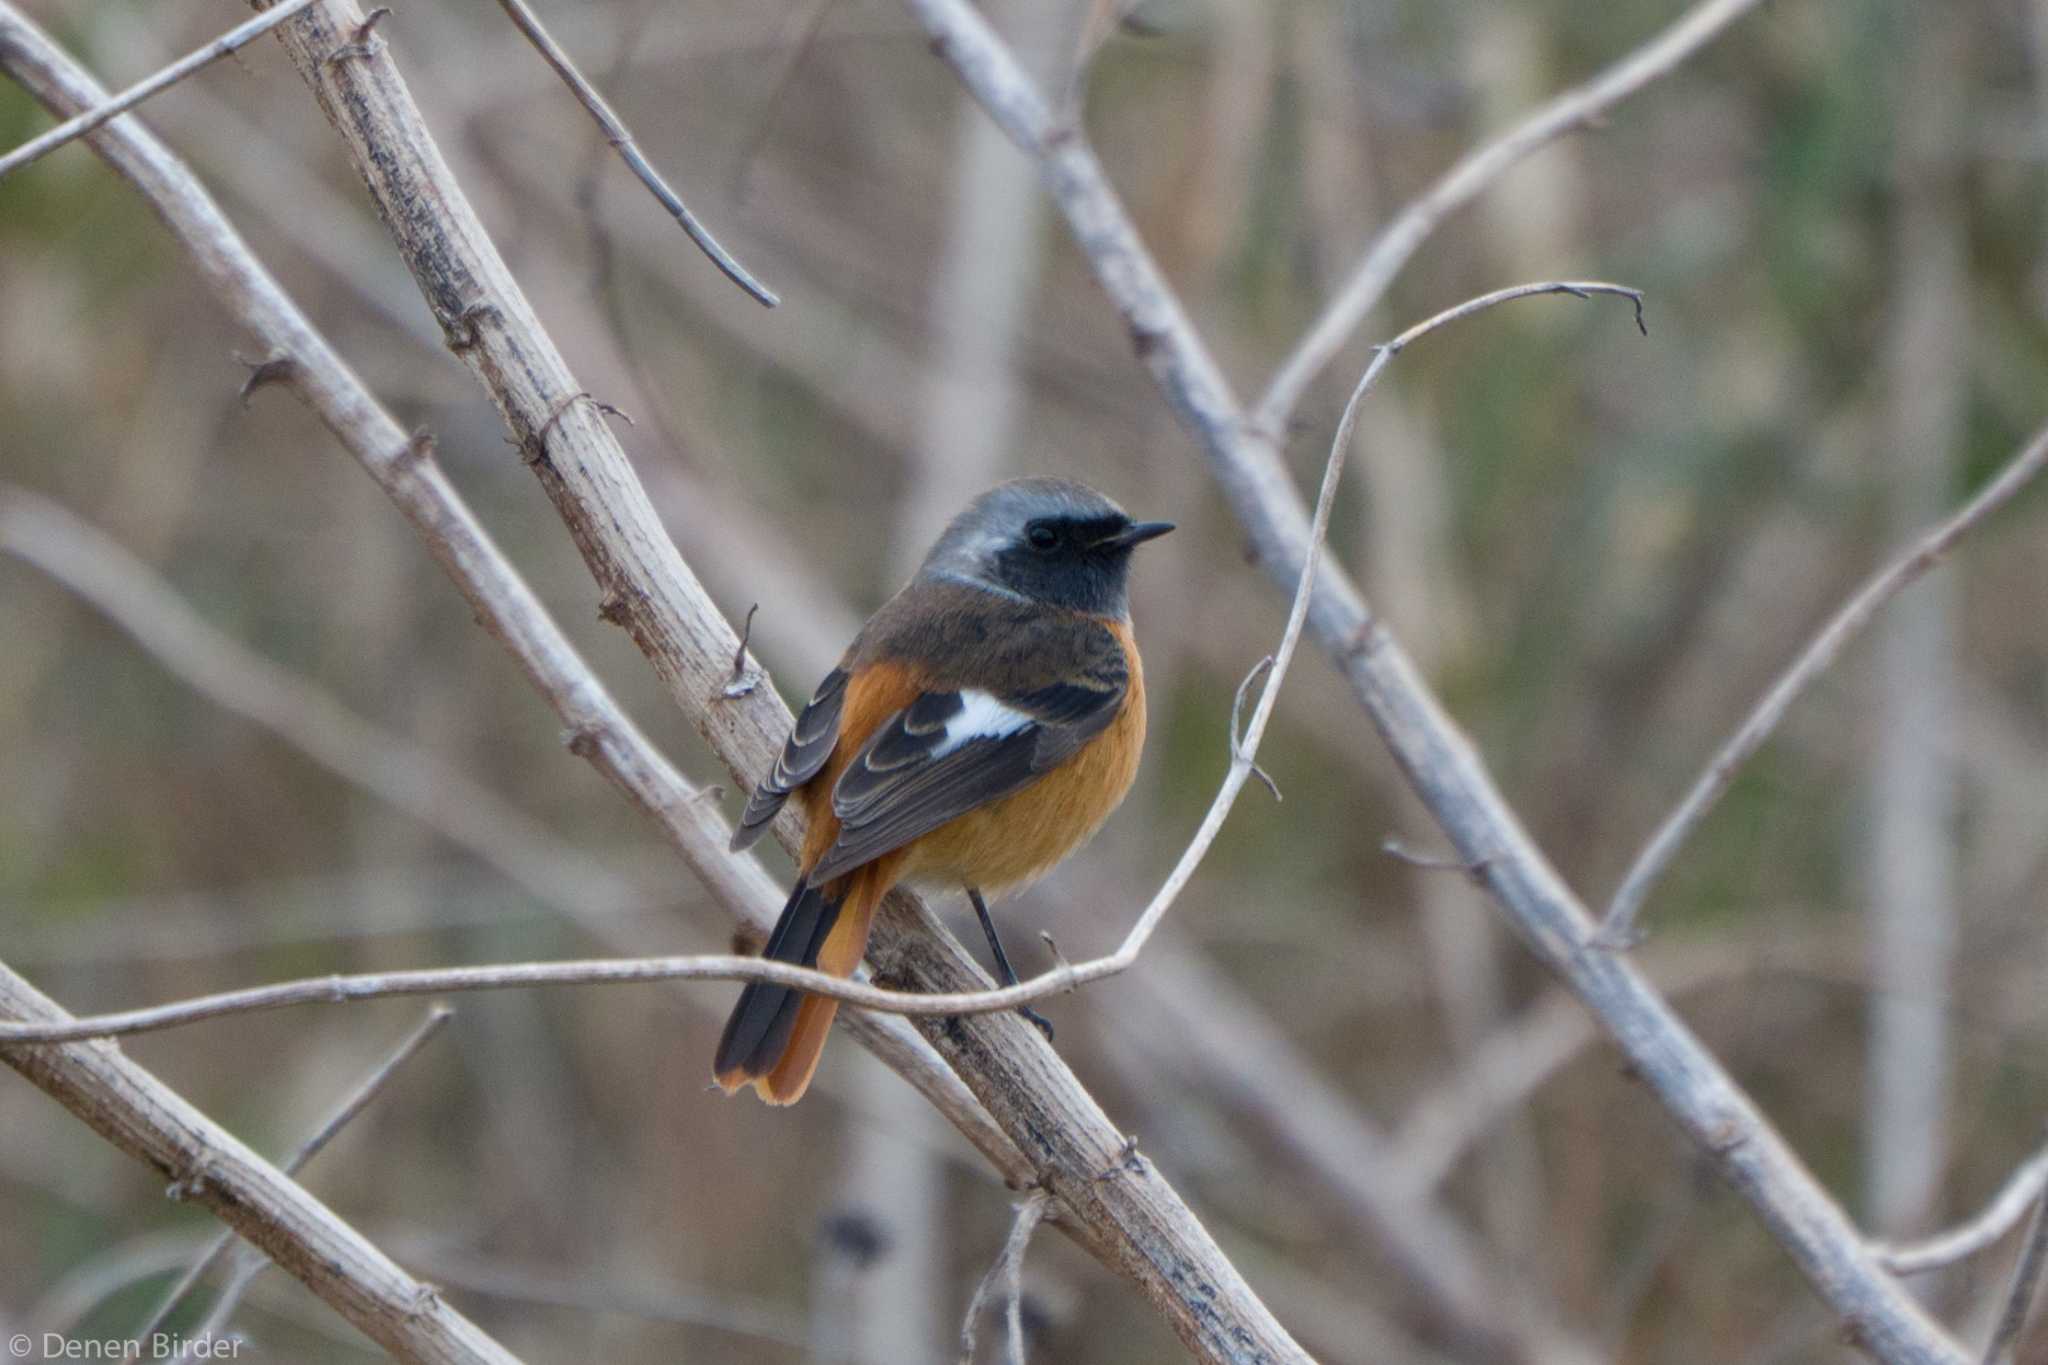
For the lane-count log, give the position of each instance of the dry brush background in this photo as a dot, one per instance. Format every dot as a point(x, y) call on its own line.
point(1600, 548)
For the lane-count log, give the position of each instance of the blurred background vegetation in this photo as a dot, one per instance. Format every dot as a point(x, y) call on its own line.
point(1602, 548)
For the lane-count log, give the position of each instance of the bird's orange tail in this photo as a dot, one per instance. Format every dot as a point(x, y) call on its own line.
point(775, 1035)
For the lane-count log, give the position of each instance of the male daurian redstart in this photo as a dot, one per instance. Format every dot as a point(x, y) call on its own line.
point(982, 725)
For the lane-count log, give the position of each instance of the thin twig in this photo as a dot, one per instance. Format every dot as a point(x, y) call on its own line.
point(799, 35)
point(604, 971)
point(79, 125)
point(741, 683)
point(92, 565)
point(2022, 1190)
point(2026, 1282)
point(359, 1099)
point(1473, 173)
point(1618, 929)
point(1424, 862)
point(1259, 1073)
point(528, 23)
point(1007, 1276)
point(612, 1291)
point(143, 1117)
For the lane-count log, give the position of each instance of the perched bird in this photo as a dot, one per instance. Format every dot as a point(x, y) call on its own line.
point(983, 724)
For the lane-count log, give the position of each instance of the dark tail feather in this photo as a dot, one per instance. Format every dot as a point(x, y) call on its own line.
point(759, 1029)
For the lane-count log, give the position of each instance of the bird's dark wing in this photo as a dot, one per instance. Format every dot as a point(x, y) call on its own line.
point(951, 751)
point(810, 743)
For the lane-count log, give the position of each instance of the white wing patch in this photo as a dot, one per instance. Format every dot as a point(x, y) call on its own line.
point(981, 716)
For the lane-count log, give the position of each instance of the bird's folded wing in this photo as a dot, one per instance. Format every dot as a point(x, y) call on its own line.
point(949, 752)
point(810, 744)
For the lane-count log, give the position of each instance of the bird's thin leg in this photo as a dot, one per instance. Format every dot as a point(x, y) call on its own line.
point(1005, 973)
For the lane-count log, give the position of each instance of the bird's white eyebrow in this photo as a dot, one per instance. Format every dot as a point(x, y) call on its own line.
point(981, 716)
point(973, 581)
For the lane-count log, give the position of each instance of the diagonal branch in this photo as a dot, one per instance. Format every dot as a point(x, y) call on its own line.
point(344, 1113)
point(2019, 1299)
point(528, 23)
point(208, 1165)
point(1928, 549)
point(79, 125)
point(1439, 761)
point(1474, 172)
point(91, 564)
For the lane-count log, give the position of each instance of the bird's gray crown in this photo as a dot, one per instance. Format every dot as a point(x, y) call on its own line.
point(996, 521)
point(1042, 540)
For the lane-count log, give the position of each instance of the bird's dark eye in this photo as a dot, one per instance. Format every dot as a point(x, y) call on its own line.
point(1041, 536)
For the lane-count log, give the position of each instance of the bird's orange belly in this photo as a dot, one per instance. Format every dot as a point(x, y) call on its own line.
point(1018, 839)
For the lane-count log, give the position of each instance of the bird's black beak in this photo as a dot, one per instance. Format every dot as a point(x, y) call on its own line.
point(1137, 533)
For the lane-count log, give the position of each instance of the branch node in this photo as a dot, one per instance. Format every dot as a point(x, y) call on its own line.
point(1127, 1161)
point(1433, 862)
point(1617, 938)
point(193, 1185)
point(1368, 638)
point(743, 681)
point(583, 740)
point(278, 369)
point(361, 42)
point(556, 414)
point(415, 452)
point(463, 331)
point(1238, 753)
point(1060, 962)
point(1725, 1136)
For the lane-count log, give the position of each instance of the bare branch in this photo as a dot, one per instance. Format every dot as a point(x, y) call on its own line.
point(528, 23)
point(2026, 1282)
point(1263, 1075)
point(1006, 1277)
point(78, 126)
point(1438, 759)
point(344, 1113)
point(209, 1166)
point(2022, 1190)
point(1465, 181)
point(1927, 550)
point(606, 971)
point(85, 560)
